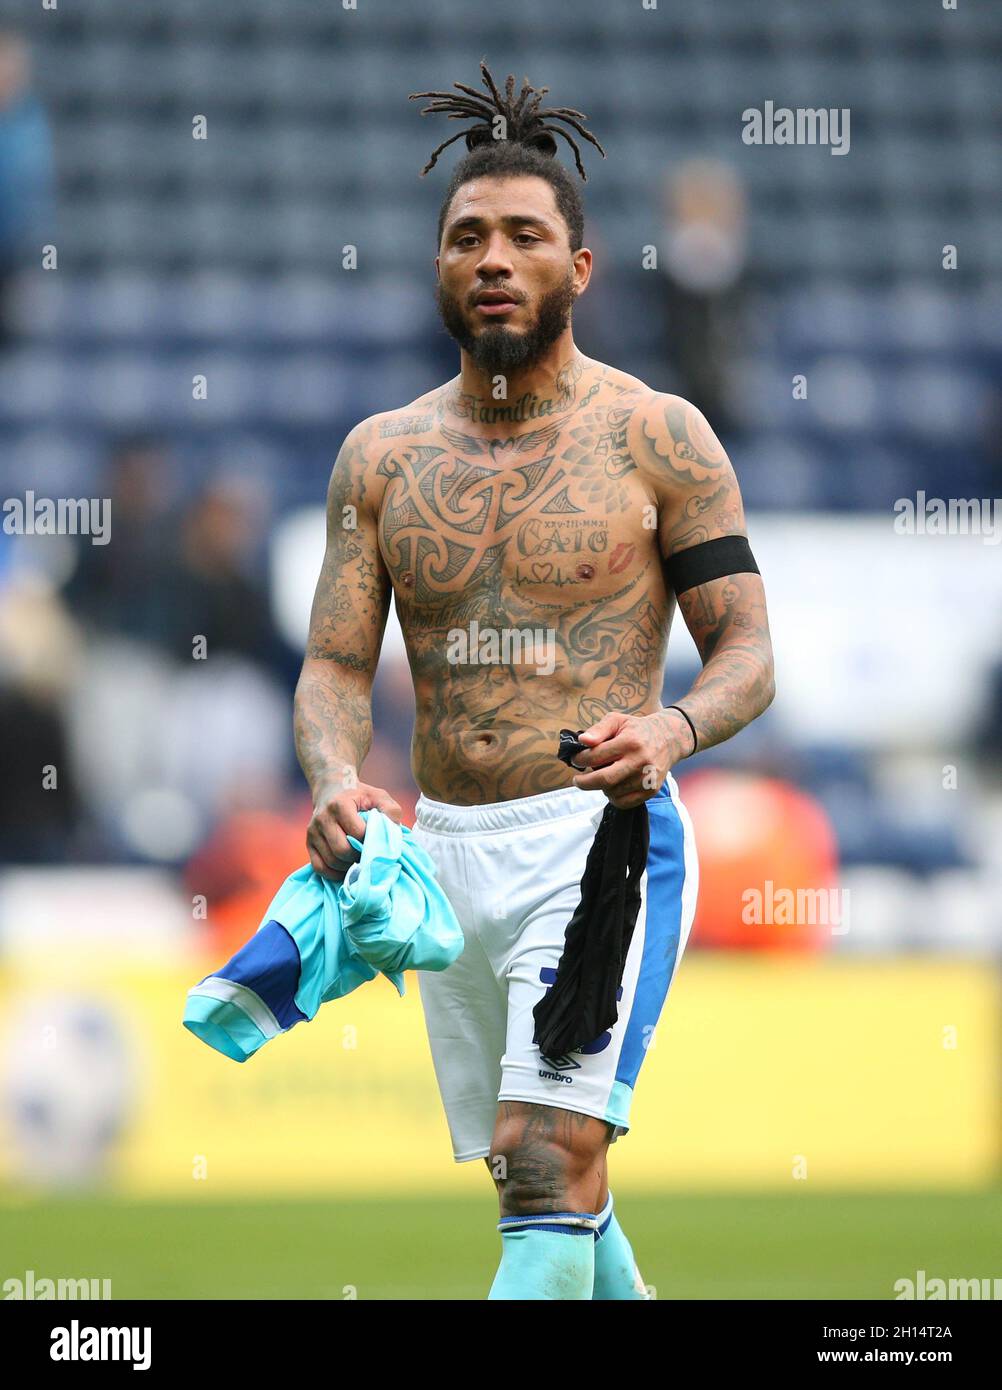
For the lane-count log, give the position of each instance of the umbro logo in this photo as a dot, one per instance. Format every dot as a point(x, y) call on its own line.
point(561, 1063)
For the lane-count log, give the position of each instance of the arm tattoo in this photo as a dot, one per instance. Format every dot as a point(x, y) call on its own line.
point(333, 720)
point(700, 500)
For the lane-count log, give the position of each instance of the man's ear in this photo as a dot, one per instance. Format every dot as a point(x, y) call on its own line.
point(437, 271)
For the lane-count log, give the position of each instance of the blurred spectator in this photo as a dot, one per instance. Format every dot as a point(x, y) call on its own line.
point(167, 732)
point(703, 284)
point(166, 581)
point(617, 320)
point(124, 587)
point(38, 799)
point(26, 173)
point(214, 591)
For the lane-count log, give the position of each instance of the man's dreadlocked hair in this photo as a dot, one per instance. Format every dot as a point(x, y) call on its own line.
point(528, 148)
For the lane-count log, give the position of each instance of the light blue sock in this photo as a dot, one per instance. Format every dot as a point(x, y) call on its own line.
point(550, 1256)
point(616, 1272)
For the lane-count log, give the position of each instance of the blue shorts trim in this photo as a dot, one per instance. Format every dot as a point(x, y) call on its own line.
point(665, 882)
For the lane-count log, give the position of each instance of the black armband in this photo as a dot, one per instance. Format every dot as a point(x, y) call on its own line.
point(710, 560)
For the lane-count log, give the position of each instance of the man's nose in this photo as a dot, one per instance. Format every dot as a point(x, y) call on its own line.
point(496, 258)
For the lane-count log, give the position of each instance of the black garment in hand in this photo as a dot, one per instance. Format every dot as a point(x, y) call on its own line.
point(581, 1003)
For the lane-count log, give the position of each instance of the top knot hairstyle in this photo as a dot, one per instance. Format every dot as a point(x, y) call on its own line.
point(529, 145)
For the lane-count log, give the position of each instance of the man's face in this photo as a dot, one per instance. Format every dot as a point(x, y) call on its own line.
point(507, 276)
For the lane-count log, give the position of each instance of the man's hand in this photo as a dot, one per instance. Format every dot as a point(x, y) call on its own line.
point(335, 817)
point(632, 755)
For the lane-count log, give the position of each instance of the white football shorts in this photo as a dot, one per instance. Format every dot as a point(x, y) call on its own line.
point(512, 871)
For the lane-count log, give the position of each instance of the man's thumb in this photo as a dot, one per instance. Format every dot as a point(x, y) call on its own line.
point(605, 728)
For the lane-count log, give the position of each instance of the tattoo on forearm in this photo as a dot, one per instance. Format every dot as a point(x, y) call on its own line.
point(332, 716)
point(333, 729)
point(730, 627)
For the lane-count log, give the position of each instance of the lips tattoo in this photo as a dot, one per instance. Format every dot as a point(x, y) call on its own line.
point(621, 557)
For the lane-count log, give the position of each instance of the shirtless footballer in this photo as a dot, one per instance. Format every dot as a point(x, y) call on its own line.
point(538, 492)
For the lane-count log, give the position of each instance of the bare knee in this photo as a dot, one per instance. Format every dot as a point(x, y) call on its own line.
point(545, 1159)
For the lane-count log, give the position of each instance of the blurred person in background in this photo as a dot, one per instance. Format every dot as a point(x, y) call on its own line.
point(702, 287)
point(125, 587)
point(177, 718)
point(166, 578)
point(26, 175)
point(39, 648)
point(214, 587)
point(613, 321)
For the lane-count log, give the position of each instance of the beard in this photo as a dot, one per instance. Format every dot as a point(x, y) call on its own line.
point(498, 350)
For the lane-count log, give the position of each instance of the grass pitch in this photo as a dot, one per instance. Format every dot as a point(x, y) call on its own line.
point(756, 1246)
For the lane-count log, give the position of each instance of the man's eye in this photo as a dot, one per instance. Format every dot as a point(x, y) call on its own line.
point(526, 236)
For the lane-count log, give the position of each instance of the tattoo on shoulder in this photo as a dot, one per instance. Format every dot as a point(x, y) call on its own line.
point(406, 424)
point(681, 439)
